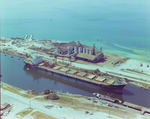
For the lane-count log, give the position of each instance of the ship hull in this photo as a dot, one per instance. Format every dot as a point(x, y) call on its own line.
point(79, 80)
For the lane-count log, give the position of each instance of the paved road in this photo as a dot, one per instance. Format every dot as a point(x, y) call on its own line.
point(39, 106)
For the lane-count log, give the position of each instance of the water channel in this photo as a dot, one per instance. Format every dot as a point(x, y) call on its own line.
point(14, 72)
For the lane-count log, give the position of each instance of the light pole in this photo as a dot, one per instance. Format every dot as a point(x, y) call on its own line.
point(30, 103)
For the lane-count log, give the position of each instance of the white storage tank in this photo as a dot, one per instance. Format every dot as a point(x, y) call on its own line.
point(69, 50)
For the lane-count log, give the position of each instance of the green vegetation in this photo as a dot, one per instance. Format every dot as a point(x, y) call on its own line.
point(52, 96)
point(18, 91)
point(122, 60)
point(40, 115)
point(25, 112)
point(86, 112)
point(97, 70)
point(47, 91)
point(65, 99)
point(32, 92)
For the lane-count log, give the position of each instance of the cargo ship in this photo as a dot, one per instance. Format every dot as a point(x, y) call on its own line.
point(76, 76)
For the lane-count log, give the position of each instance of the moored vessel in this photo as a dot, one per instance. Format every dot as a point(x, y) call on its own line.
point(108, 84)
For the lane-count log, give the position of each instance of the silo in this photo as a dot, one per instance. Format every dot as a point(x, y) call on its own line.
point(94, 49)
point(80, 49)
point(91, 52)
point(87, 51)
point(75, 49)
point(84, 50)
point(69, 50)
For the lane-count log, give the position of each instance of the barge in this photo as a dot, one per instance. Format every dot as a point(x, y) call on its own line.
point(75, 76)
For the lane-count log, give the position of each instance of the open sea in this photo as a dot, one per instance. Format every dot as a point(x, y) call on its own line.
point(124, 23)
point(123, 28)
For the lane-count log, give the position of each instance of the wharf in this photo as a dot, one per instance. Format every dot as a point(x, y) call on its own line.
point(107, 98)
point(137, 107)
point(115, 101)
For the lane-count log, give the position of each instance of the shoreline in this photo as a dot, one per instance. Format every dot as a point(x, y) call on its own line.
point(103, 107)
point(103, 68)
point(107, 50)
point(141, 85)
point(108, 55)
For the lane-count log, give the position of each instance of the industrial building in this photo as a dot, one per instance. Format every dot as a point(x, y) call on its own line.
point(33, 60)
point(66, 48)
point(88, 53)
point(80, 51)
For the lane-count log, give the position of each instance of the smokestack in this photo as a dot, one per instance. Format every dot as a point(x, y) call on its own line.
point(101, 49)
point(26, 37)
point(78, 43)
point(94, 45)
point(94, 49)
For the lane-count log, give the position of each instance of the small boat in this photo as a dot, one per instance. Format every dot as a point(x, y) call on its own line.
point(107, 98)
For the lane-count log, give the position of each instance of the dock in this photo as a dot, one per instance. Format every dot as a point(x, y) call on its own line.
point(137, 107)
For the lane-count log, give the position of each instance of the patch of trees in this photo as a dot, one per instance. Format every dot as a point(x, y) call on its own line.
point(52, 96)
point(47, 91)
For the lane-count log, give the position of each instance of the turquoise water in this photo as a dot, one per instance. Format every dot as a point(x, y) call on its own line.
point(125, 23)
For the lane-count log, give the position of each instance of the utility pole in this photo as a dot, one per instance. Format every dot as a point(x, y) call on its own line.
point(109, 112)
point(30, 103)
point(126, 111)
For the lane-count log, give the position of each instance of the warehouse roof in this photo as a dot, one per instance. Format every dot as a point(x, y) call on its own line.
point(73, 44)
point(86, 56)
